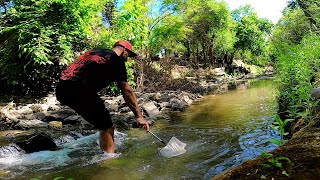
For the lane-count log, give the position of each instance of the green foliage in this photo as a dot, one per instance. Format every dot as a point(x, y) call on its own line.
point(290, 30)
point(211, 25)
point(251, 34)
point(275, 162)
point(169, 35)
point(272, 161)
point(279, 125)
point(296, 67)
point(131, 23)
point(38, 36)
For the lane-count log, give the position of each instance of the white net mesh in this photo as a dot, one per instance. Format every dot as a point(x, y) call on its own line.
point(173, 148)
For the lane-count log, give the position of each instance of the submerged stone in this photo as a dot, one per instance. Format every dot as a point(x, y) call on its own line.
point(37, 142)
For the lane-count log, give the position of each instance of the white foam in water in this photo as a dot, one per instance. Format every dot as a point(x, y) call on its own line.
point(59, 157)
point(104, 156)
point(11, 150)
point(13, 157)
point(62, 140)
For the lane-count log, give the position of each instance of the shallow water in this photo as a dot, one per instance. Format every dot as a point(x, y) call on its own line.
point(221, 131)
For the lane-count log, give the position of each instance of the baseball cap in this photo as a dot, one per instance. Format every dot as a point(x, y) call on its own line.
point(127, 45)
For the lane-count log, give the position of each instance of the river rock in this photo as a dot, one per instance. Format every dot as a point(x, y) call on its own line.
point(164, 98)
point(37, 142)
point(10, 106)
point(151, 109)
point(185, 97)
point(53, 108)
point(85, 125)
point(25, 110)
point(146, 96)
point(124, 109)
point(59, 115)
point(27, 124)
point(73, 119)
point(219, 71)
point(165, 105)
point(38, 115)
point(167, 96)
point(11, 115)
point(36, 108)
point(315, 93)
point(178, 105)
point(118, 100)
point(57, 125)
point(155, 97)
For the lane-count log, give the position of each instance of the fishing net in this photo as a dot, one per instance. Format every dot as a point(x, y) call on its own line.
point(173, 148)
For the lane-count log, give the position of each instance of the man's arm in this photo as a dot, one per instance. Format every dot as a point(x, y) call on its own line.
point(131, 100)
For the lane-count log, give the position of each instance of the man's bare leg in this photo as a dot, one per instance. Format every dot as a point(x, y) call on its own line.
point(107, 140)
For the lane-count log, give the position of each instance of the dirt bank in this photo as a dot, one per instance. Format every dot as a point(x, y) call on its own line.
point(303, 150)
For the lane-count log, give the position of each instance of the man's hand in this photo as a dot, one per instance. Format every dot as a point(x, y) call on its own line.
point(143, 123)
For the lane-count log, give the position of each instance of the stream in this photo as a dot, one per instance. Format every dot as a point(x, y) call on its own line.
point(221, 131)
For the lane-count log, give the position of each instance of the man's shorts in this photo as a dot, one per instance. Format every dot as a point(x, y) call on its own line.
point(85, 102)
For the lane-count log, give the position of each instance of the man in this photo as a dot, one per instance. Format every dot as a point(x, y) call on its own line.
point(86, 76)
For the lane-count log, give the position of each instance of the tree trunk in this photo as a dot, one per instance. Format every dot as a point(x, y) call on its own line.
point(204, 53)
point(188, 52)
point(211, 51)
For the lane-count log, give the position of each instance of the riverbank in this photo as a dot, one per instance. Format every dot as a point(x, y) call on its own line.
point(303, 151)
point(296, 159)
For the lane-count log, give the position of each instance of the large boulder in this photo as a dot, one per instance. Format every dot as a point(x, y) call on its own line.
point(37, 115)
point(37, 142)
point(28, 124)
point(178, 105)
point(151, 109)
point(73, 119)
point(59, 115)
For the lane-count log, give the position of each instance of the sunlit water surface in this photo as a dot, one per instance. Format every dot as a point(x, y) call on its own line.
point(221, 131)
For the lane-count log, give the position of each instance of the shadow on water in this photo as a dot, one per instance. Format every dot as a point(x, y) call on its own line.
point(221, 131)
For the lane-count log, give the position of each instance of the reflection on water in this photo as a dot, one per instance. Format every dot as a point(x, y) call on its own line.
point(221, 131)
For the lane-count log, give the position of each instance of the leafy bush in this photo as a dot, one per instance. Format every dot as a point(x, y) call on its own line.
point(296, 67)
point(38, 36)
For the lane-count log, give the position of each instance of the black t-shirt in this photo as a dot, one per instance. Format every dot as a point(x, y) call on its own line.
point(96, 69)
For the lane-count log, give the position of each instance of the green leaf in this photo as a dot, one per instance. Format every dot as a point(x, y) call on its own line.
point(266, 154)
point(263, 177)
point(58, 178)
point(283, 159)
point(274, 141)
point(285, 173)
point(278, 165)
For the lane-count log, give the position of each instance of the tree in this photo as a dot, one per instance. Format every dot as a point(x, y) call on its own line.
point(251, 32)
point(310, 9)
point(209, 23)
point(290, 30)
point(38, 36)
